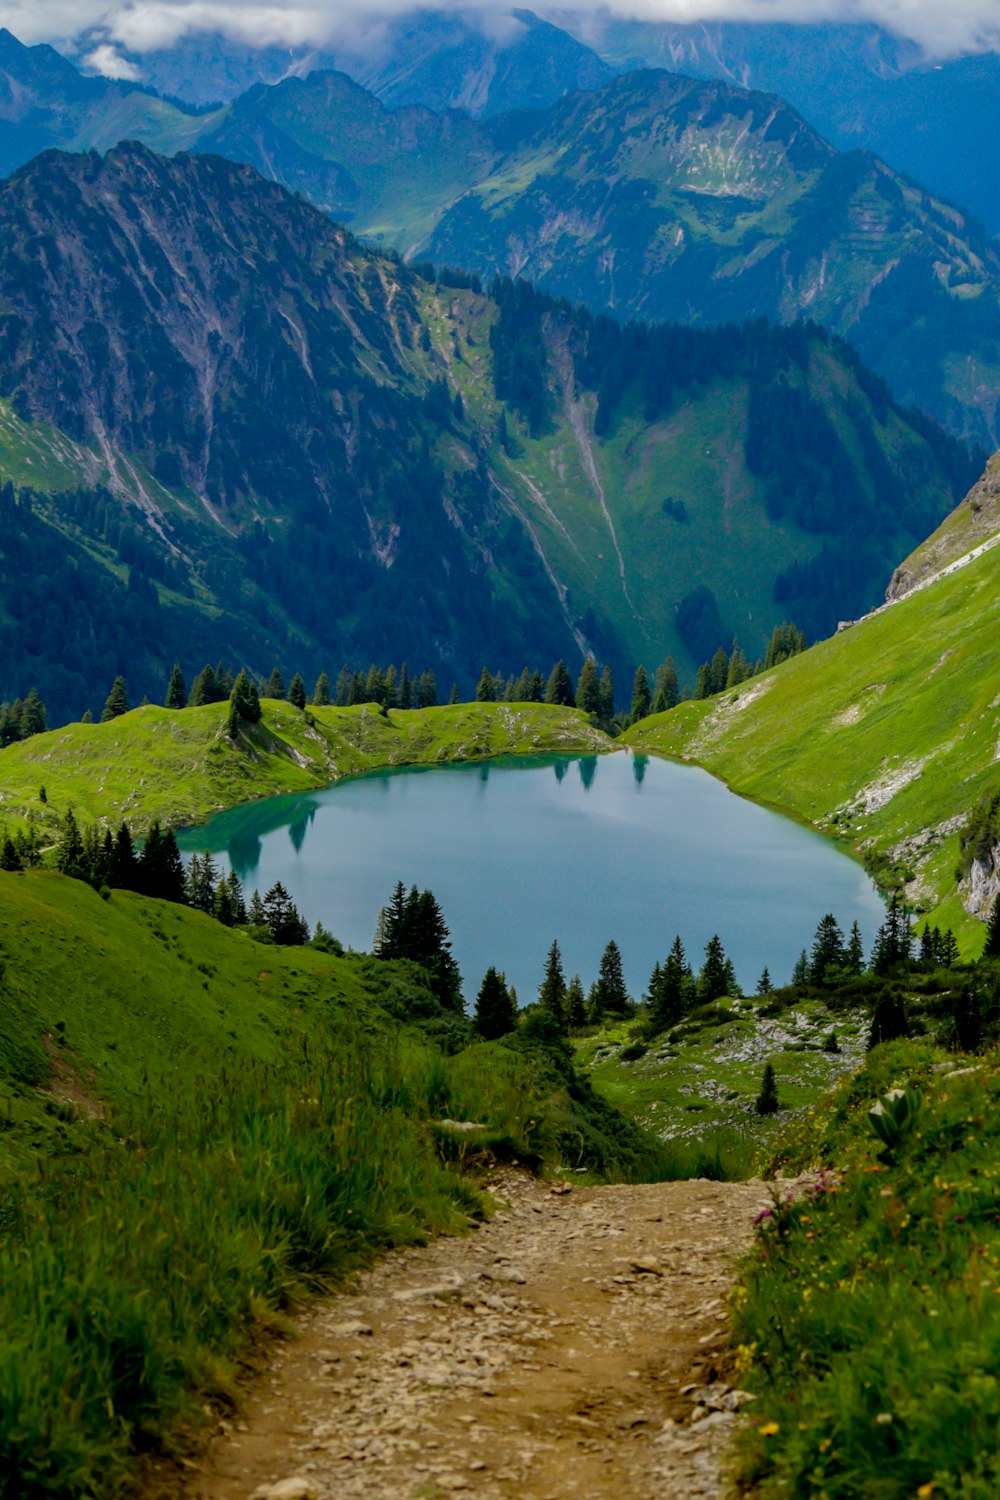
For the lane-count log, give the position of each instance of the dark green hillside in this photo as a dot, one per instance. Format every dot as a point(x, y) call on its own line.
point(230, 431)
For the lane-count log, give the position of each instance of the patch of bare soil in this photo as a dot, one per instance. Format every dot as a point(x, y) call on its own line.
point(575, 1346)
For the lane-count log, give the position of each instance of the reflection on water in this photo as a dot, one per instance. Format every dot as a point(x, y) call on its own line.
point(629, 847)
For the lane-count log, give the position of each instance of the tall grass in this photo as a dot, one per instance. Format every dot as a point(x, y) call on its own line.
point(131, 1276)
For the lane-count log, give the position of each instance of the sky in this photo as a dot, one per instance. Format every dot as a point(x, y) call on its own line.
point(943, 27)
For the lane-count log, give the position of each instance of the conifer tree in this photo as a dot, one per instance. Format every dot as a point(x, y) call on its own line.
point(10, 860)
point(201, 883)
point(282, 919)
point(34, 719)
point(559, 688)
point(69, 851)
point(894, 939)
point(764, 983)
point(767, 1102)
point(991, 945)
point(522, 687)
point(552, 991)
point(800, 973)
point(391, 687)
point(588, 695)
point(606, 692)
point(575, 1004)
point(405, 688)
point(256, 915)
point(889, 1022)
point(374, 685)
point(342, 694)
point(275, 685)
point(205, 688)
point(244, 703)
point(670, 989)
point(641, 698)
point(612, 995)
point(321, 692)
point(427, 696)
point(176, 688)
point(297, 693)
point(720, 670)
point(828, 951)
point(854, 959)
point(715, 979)
point(453, 696)
point(537, 687)
point(486, 692)
point(948, 954)
point(123, 873)
point(495, 1015)
point(703, 682)
point(116, 703)
point(667, 692)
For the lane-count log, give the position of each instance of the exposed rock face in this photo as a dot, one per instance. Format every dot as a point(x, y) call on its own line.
point(970, 526)
point(982, 886)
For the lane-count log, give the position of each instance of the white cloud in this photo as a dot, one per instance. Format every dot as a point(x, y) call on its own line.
point(109, 62)
point(943, 27)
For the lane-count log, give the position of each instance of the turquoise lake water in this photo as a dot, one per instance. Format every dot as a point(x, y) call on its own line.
point(521, 851)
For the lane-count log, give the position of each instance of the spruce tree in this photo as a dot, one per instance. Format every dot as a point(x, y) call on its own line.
point(176, 688)
point(205, 688)
point(948, 954)
point(244, 703)
point(703, 682)
point(391, 687)
point(297, 693)
point(719, 670)
point(69, 850)
point(282, 919)
point(854, 960)
point(588, 695)
point(767, 1102)
point(606, 691)
point(275, 685)
point(124, 870)
point(800, 973)
point(559, 688)
point(764, 984)
point(537, 687)
point(575, 1004)
point(889, 1022)
point(495, 1015)
point(552, 991)
point(321, 692)
point(342, 693)
point(991, 945)
point(667, 693)
point(256, 915)
point(34, 719)
point(116, 703)
point(613, 997)
point(486, 692)
point(522, 687)
point(715, 978)
point(670, 989)
point(374, 685)
point(427, 696)
point(405, 690)
point(10, 860)
point(453, 696)
point(828, 951)
point(641, 698)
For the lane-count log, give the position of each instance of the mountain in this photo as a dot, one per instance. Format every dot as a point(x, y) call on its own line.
point(859, 85)
point(481, 64)
point(660, 198)
point(227, 429)
point(884, 736)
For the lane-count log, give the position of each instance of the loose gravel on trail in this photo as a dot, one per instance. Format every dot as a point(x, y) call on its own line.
point(573, 1346)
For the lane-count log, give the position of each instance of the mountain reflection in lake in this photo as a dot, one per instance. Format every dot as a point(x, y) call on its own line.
point(583, 849)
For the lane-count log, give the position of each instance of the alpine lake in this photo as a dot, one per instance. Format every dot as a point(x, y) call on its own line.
point(522, 850)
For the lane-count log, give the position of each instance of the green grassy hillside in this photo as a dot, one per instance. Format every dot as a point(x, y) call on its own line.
point(181, 766)
point(884, 737)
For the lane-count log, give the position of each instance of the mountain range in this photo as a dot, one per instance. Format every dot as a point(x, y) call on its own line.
point(227, 428)
point(653, 197)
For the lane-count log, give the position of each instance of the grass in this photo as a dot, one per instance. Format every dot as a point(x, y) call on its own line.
point(883, 737)
point(197, 1132)
point(181, 766)
point(869, 1312)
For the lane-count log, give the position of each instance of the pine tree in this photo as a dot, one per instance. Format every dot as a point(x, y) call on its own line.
point(321, 692)
point(716, 972)
point(641, 699)
point(559, 688)
point(854, 961)
point(552, 991)
point(176, 688)
point(69, 850)
point(828, 951)
point(116, 703)
point(486, 692)
point(606, 692)
point(667, 692)
point(34, 719)
point(764, 984)
point(495, 1015)
point(205, 688)
point(613, 997)
point(575, 1004)
point(767, 1102)
point(297, 693)
point(244, 703)
point(991, 945)
point(275, 685)
point(588, 696)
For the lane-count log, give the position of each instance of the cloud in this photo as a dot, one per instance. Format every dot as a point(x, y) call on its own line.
point(942, 27)
point(110, 63)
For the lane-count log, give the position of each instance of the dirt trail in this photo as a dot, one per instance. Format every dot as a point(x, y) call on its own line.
point(543, 1357)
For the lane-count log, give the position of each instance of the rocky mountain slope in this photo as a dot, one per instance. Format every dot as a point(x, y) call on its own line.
point(228, 430)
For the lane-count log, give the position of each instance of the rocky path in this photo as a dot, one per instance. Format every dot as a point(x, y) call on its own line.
point(572, 1347)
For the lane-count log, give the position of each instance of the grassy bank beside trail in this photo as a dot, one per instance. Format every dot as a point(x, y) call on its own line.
point(869, 1312)
point(884, 736)
point(197, 1131)
point(180, 766)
